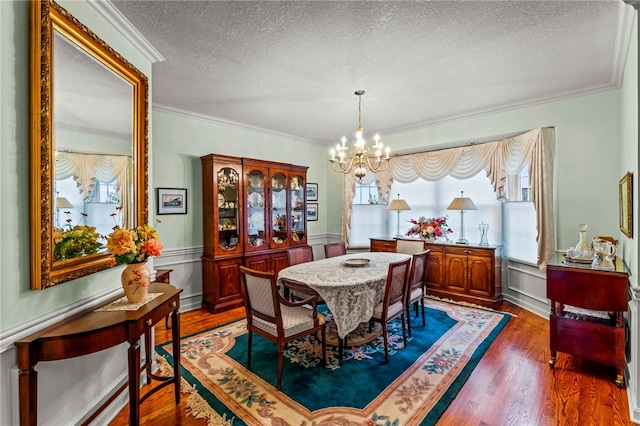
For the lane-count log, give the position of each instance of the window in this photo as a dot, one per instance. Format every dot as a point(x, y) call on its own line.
point(520, 232)
point(431, 199)
point(366, 194)
point(428, 199)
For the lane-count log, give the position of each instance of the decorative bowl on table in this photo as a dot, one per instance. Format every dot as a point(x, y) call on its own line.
point(356, 262)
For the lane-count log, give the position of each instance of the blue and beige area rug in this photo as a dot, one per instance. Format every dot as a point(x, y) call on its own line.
point(414, 388)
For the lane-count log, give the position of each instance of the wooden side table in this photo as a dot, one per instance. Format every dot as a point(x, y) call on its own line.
point(92, 331)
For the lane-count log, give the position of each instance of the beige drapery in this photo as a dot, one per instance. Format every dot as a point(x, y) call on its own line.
point(87, 168)
point(499, 158)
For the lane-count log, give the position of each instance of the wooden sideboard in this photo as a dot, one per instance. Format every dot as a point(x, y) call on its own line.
point(599, 338)
point(467, 273)
point(92, 331)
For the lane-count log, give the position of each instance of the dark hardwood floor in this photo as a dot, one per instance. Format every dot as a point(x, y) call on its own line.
point(512, 384)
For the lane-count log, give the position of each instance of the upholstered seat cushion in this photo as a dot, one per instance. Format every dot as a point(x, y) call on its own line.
point(294, 320)
point(416, 294)
point(393, 309)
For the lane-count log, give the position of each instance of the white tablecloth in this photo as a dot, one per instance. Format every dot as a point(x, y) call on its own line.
point(350, 292)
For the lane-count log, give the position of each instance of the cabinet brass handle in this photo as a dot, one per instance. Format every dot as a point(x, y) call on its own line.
point(173, 304)
point(149, 322)
point(467, 251)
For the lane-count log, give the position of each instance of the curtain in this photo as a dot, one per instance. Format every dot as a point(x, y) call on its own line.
point(499, 158)
point(87, 168)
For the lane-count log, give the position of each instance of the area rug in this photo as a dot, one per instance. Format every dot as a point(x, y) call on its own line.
point(414, 388)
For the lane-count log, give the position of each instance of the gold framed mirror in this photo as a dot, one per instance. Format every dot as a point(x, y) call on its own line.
point(88, 146)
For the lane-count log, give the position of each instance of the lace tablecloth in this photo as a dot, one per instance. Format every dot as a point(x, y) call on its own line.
point(350, 292)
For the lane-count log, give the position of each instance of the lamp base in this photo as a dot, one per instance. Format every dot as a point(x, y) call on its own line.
point(462, 241)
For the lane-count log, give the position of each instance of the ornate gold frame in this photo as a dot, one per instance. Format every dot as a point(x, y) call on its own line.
point(625, 187)
point(47, 15)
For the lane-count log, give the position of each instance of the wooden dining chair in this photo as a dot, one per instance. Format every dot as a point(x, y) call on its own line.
point(273, 317)
point(334, 249)
point(300, 255)
point(295, 256)
point(409, 246)
point(392, 305)
point(417, 286)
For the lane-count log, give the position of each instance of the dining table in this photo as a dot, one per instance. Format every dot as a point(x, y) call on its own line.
point(351, 285)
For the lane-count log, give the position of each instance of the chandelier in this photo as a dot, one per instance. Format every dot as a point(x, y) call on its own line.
point(360, 157)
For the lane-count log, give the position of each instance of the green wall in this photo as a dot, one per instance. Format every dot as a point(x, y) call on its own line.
point(179, 142)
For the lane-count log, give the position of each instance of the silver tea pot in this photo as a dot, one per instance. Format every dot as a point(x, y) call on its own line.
point(605, 253)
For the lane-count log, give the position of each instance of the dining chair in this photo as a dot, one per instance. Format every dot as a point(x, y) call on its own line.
point(409, 246)
point(275, 318)
point(417, 286)
point(295, 256)
point(391, 307)
point(334, 249)
point(300, 255)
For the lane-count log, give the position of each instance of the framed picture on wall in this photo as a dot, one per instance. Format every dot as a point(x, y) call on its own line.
point(312, 192)
point(625, 188)
point(172, 200)
point(312, 212)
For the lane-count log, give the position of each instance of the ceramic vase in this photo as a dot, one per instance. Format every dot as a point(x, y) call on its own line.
point(136, 279)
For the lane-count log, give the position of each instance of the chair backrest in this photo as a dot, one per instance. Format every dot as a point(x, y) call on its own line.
point(395, 287)
point(409, 246)
point(260, 294)
point(418, 276)
point(334, 249)
point(300, 255)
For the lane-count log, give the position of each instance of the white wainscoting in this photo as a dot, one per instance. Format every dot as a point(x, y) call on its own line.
point(525, 285)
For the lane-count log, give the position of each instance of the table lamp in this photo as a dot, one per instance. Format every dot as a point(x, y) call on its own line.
point(398, 205)
point(463, 204)
point(61, 203)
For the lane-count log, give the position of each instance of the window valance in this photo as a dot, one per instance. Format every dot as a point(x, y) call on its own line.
point(533, 149)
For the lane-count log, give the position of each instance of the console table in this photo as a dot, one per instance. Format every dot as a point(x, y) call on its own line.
point(92, 331)
point(595, 330)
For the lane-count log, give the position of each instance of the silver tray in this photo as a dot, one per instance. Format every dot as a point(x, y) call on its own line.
point(356, 262)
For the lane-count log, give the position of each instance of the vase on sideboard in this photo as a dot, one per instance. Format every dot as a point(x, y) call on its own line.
point(136, 279)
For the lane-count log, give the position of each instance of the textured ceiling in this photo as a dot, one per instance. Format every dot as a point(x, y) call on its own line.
point(292, 66)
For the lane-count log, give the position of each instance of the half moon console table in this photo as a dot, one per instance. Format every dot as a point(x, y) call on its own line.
point(92, 331)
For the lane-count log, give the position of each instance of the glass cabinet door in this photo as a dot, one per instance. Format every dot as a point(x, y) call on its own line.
point(279, 222)
point(228, 208)
point(297, 206)
point(256, 209)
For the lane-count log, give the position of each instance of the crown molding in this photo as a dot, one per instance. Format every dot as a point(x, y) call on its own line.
point(228, 123)
point(634, 3)
point(122, 24)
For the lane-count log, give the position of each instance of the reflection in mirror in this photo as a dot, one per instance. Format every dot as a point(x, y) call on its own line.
point(88, 146)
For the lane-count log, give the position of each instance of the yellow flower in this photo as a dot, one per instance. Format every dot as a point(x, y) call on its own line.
point(121, 241)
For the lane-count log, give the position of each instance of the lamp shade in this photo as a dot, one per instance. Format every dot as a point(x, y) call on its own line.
point(63, 203)
point(462, 203)
point(398, 205)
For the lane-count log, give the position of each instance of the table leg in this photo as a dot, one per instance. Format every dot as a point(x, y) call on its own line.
point(175, 334)
point(28, 391)
point(147, 352)
point(134, 383)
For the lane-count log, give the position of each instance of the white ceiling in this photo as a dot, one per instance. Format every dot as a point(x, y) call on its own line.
point(292, 67)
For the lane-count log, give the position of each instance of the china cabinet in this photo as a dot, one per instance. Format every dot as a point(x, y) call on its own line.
point(253, 212)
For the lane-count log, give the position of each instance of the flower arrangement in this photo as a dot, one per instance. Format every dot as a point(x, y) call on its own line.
point(75, 241)
point(431, 228)
point(133, 245)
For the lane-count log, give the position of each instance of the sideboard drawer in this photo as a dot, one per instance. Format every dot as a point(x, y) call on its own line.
point(379, 244)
